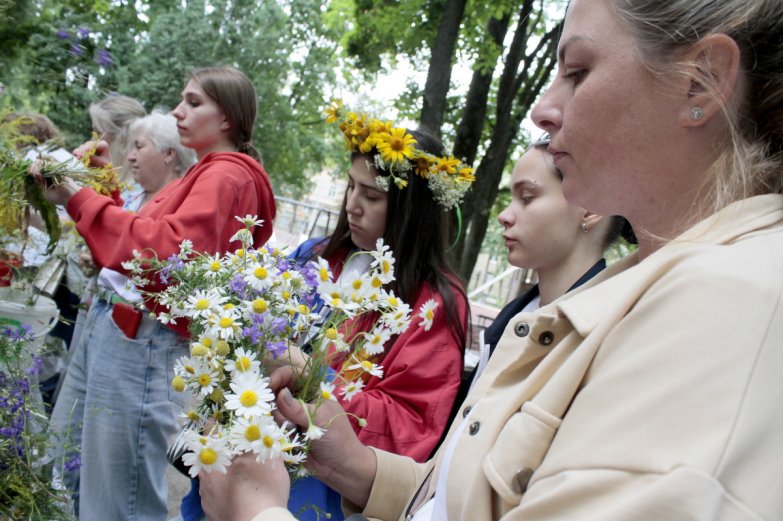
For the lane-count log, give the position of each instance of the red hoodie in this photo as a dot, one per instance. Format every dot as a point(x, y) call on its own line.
point(200, 206)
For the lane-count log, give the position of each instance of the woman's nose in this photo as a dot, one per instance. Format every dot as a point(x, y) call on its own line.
point(547, 113)
point(177, 112)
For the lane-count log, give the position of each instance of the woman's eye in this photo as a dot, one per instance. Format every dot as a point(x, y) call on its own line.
point(575, 75)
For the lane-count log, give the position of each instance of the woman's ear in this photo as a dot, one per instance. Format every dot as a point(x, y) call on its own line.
point(590, 220)
point(715, 69)
point(170, 156)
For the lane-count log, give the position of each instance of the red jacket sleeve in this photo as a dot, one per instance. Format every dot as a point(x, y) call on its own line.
point(199, 208)
point(408, 409)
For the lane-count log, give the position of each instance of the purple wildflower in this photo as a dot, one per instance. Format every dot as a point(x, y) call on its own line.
point(252, 333)
point(279, 325)
point(283, 264)
point(237, 284)
point(73, 463)
point(36, 367)
point(276, 348)
point(63, 34)
point(82, 33)
point(104, 58)
point(77, 49)
point(259, 318)
point(310, 274)
point(175, 263)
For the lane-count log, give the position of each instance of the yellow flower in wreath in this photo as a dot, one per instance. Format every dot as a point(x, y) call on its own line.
point(396, 146)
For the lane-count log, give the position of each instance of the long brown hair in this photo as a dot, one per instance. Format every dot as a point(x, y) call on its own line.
point(237, 98)
point(417, 231)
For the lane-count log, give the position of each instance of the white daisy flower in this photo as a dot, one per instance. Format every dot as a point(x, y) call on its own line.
point(327, 391)
point(259, 277)
point(186, 247)
point(212, 265)
point(375, 340)
point(225, 324)
point(250, 220)
point(351, 389)
point(324, 272)
point(203, 303)
point(368, 367)
point(207, 454)
point(243, 362)
point(332, 336)
point(333, 297)
point(398, 320)
point(273, 439)
point(245, 433)
point(205, 379)
point(251, 395)
point(427, 314)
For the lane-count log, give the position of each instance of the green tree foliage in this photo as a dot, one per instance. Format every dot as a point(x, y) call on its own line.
point(77, 52)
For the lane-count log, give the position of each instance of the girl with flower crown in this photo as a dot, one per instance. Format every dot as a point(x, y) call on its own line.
point(116, 398)
point(408, 409)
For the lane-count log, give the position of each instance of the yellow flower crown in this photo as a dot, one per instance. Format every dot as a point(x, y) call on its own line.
point(397, 155)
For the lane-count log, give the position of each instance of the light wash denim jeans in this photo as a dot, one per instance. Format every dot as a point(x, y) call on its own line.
point(118, 402)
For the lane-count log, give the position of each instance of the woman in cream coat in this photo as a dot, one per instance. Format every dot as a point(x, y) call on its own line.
point(651, 393)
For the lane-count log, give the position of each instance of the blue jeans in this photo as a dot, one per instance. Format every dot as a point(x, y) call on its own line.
point(118, 402)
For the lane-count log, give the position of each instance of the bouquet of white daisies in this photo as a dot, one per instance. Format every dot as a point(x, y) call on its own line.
point(245, 310)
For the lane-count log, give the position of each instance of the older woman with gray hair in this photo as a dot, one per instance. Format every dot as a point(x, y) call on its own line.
point(156, 156)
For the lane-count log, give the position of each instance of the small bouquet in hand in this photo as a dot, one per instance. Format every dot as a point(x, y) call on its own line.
point(19, 192)
point(247, 312)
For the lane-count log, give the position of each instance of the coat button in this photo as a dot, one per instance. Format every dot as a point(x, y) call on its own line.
point(474, 428)
point(521, 479)
point(546, 338)
point(521, 329)
point(466, 411)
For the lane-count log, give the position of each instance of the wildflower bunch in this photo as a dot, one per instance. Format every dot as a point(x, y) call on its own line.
point(19, 192)
point(26, 489)
point(395, 154)
point(248, 311)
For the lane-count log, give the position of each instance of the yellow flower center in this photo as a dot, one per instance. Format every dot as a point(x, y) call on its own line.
point(252, 433)
point(208, 456)
point(269, 441)
point(323, 274)
point(222, 348)
point(376, 282)
point(286, 275)
point(304, 310)
point(204, 380)
point(386, 266)
point(326, 395)
point(248, 398)
point(260, 273)
point(214, 265)
point(331, 333)
point(207, 342)
point(357, 284)
point(190, 369)
point(244, 363)
point(286, 295)
point(198, 349)
point(216, 395)
point(226, 322)
point(202, 304)
point(367, 365)
point(178, 384)
point(240, 253)
point(260, 305)
point(228, 306)
point(193, 416)
point(429, 314)
point(393, 301)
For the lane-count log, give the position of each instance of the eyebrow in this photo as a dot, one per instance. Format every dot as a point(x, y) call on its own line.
point(368, 186)
point(564, 45)
point(523, 184)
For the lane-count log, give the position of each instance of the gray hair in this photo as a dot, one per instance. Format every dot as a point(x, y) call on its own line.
point(161, 130)
point(752, 161)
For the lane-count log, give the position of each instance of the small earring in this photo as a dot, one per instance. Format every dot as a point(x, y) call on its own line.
point(584, 227)
point(696, 113)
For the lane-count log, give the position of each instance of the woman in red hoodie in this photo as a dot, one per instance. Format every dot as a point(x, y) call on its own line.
point(116, 399)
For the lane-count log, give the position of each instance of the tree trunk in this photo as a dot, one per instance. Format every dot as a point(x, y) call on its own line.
point(471, 126)
point(439, 74)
